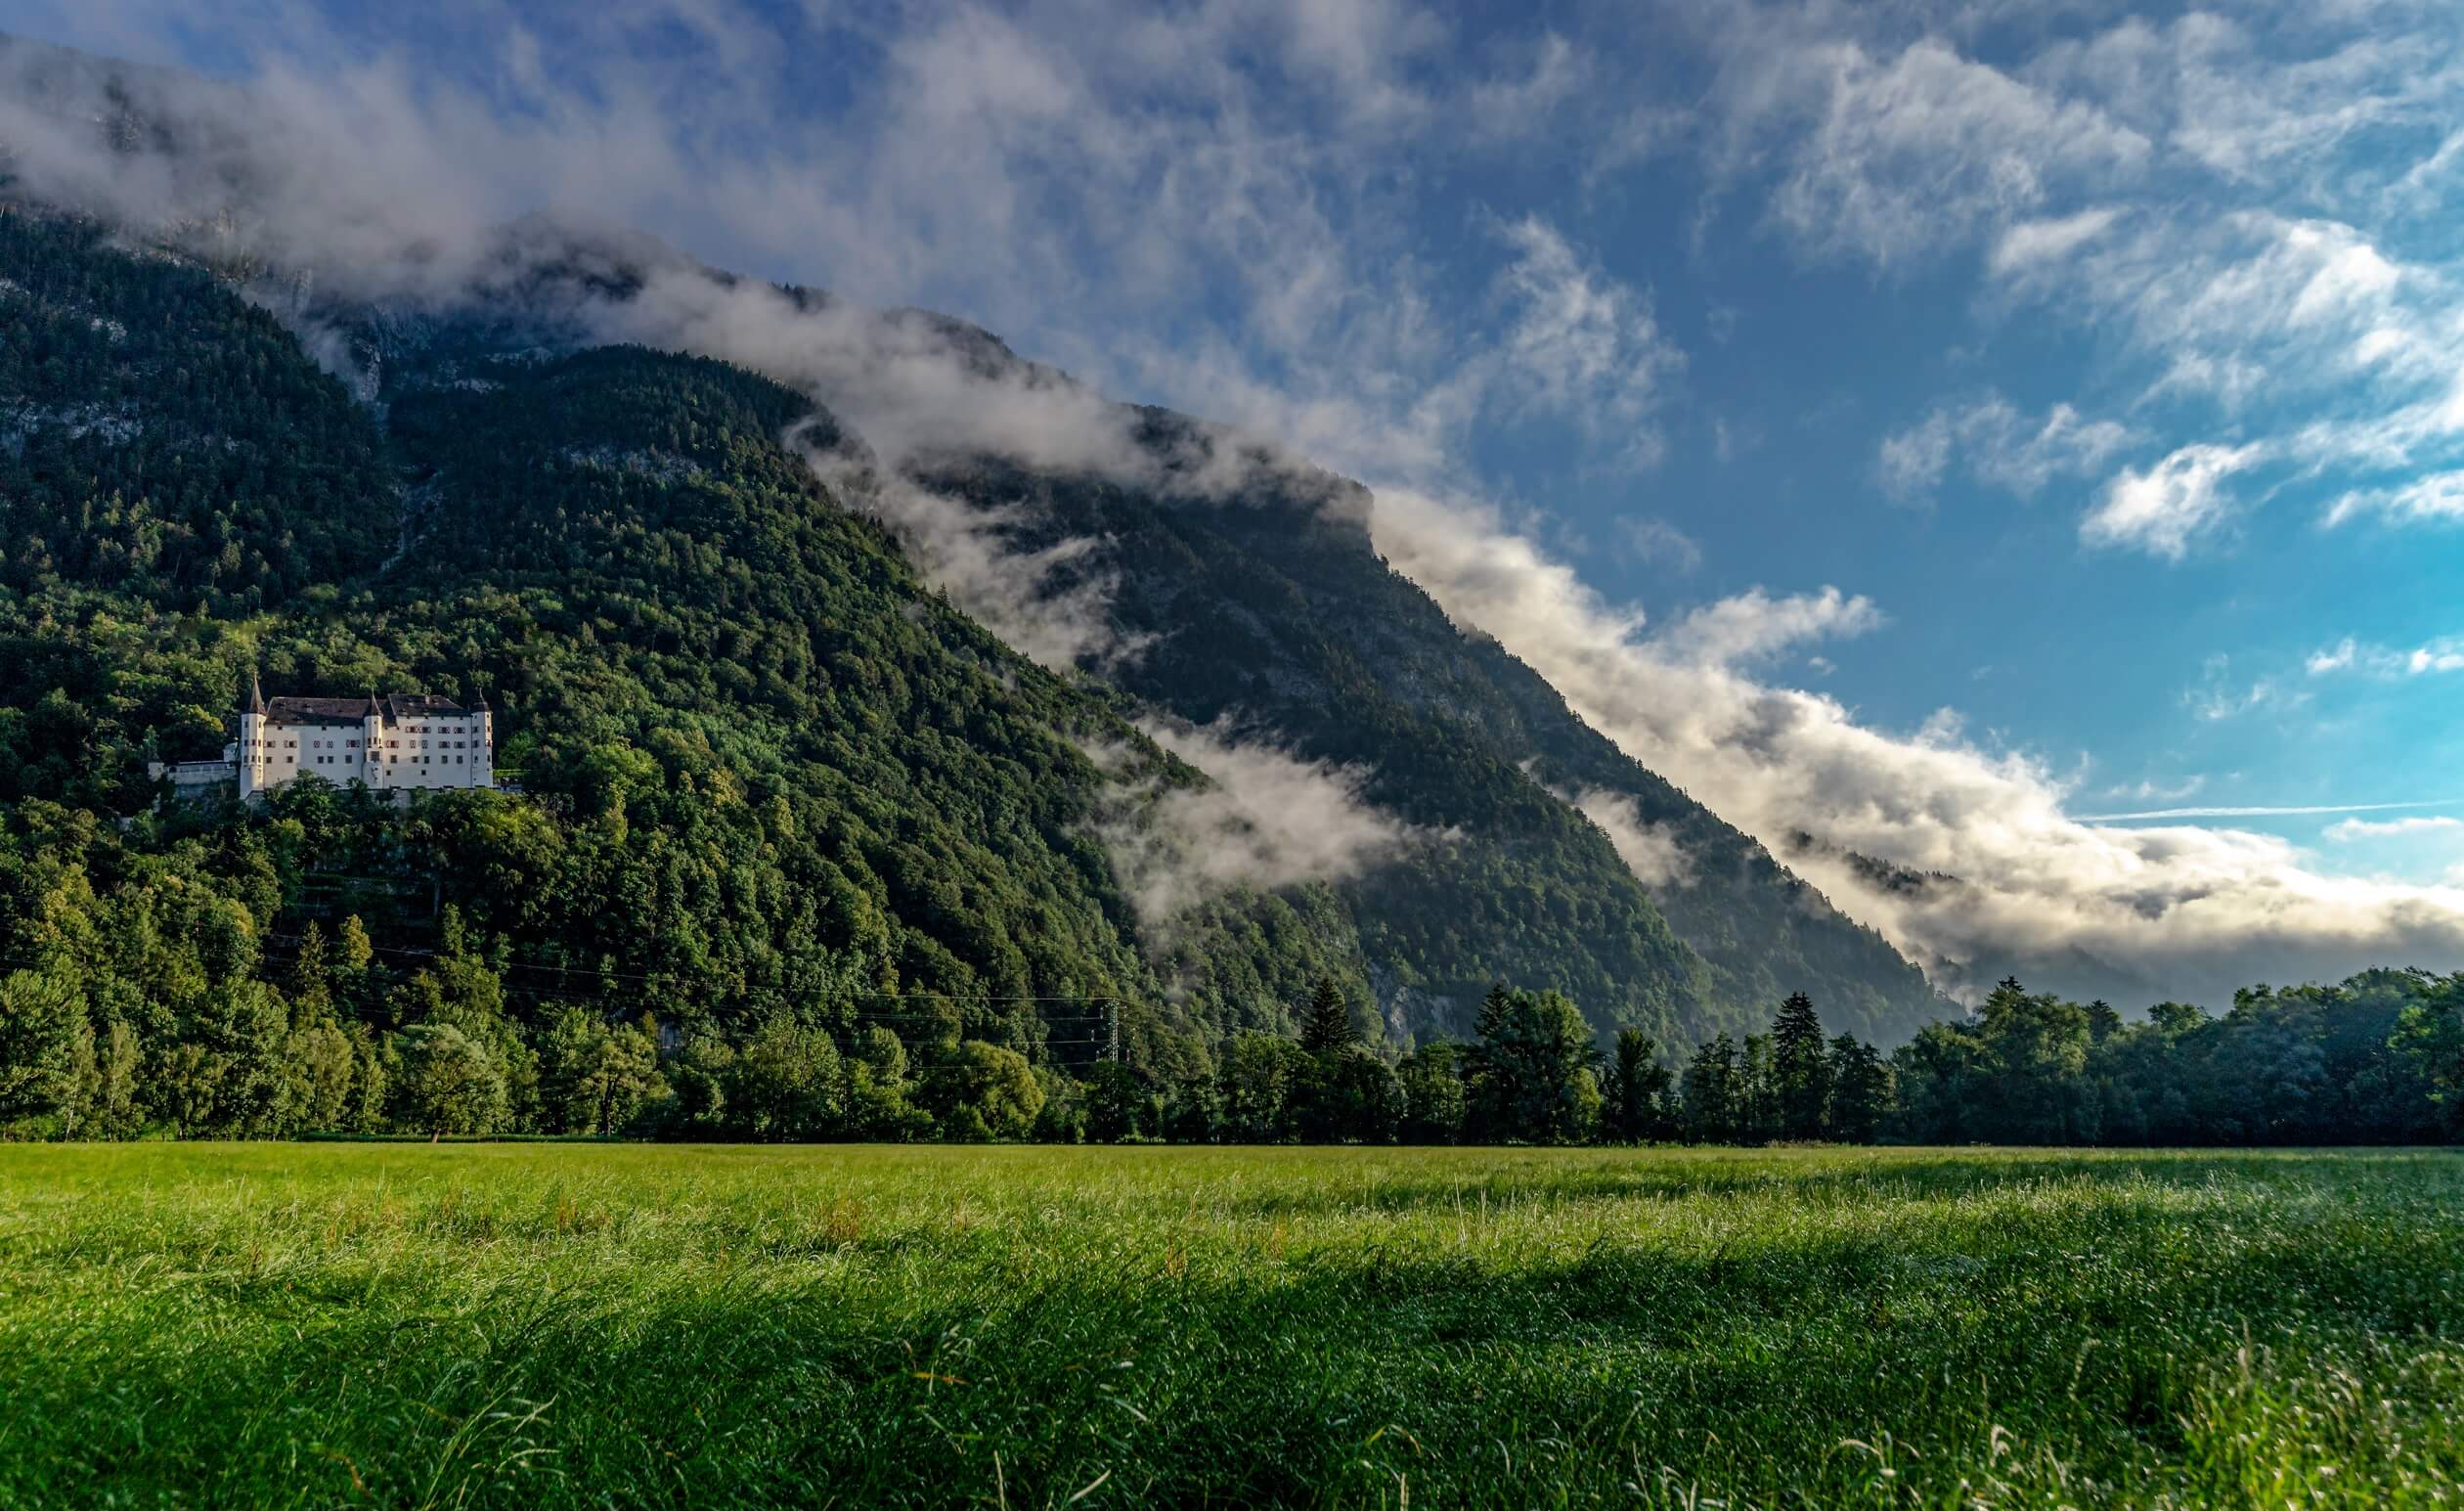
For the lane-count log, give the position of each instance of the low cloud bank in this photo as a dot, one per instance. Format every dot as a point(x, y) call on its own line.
point(2015, 885)
point(1649, 849)
point(1271, 820)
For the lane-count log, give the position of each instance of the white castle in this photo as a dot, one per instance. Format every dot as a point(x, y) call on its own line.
point(403, 744)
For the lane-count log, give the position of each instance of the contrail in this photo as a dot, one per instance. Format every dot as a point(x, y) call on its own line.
point(2263, 813)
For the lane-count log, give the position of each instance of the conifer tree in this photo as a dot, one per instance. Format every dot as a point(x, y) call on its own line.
point(1799, 1068)
point(1326, 1024)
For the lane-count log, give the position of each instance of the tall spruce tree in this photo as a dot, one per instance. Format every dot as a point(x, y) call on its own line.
point(1799, 1069)
point(1326, 1024)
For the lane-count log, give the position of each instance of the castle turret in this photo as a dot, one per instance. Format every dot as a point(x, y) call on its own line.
point(485, 759)
point(251, 751)
point(373, 742)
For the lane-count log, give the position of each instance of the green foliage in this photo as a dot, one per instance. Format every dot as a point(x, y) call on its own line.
point(1637, 1103)
point(444, 1082)
point(601, 1078)
point(1861, 1091)
point(1530, 1078)
point(1715, 1095)
point(166, 439)
point(1264, 1079)
point(992, 1088)
point(766, 770)
point(785, 1081)
point(2306, 1065)
point(2430, 1035)
point(46, 1047)
point(1352, 1096)
point(843, 841)
point(1436, 1104)
point(1326, 1024)
point(1800, 1069)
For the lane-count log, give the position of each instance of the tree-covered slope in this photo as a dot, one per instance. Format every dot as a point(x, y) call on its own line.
point(1271, 606)
point(161, 437)
point(766, 768)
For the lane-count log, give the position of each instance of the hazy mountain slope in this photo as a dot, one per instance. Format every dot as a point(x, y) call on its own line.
point(1273, 608)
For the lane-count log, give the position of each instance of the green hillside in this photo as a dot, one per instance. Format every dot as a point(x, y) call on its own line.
point(766, 769)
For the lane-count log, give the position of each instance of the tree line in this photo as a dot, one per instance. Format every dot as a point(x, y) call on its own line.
point(344, 1043)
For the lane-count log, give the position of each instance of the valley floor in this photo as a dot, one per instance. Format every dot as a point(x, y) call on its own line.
point(621, 1325)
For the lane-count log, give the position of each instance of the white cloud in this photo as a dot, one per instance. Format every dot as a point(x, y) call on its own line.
point(2161, 510)
point(2352, 831)
point(1147, 206)
point(1907, 155)
point(2330, 659)
point(1649, 849)
point(1995, 443)
point(1580, 344)
point(1753, 626)
point(1269, 819)
point(2216, 698)
point(2150, 791)
point(2438, 497)
point(2030, 242)
point(1912, 460)
point(2260, 811)
point(1656, 541)
point(2443, 654)
point(1522, 104)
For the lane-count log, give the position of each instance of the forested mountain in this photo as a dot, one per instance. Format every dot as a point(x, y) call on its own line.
point(1266, 604)
point(1255, 603)
point(766, 768)
point(1269, 611)
point(698, 647)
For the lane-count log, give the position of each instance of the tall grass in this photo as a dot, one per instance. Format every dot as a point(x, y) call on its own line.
point(544, 1325)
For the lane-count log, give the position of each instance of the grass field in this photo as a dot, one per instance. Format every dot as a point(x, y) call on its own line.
point(552, 1325)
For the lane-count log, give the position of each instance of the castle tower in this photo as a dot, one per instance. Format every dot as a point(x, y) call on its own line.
point(252, 750)
point(485, 760)
point(373, 742)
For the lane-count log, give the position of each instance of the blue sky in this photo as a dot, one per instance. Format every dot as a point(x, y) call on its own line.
point(2058, 405)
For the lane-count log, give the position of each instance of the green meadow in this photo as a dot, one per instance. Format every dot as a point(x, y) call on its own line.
point(627, 1326)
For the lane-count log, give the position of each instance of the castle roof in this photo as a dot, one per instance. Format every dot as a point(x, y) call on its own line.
point(393, 708)
point(409, 706)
